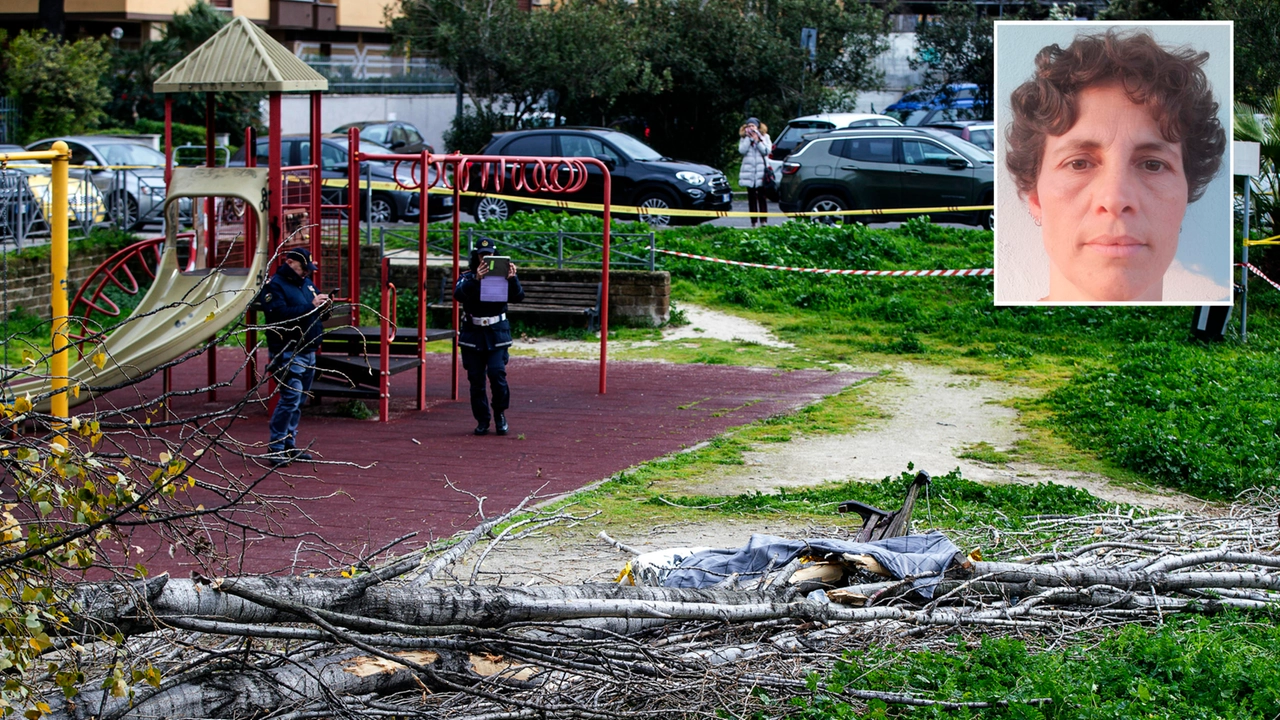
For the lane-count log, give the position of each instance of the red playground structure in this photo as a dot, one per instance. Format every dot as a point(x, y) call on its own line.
point(301, 208)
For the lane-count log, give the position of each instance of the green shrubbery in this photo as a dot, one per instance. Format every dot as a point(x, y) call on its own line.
point(1200, 418)
point(1187, 668)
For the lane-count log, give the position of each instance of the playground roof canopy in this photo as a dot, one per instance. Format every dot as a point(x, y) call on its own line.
point(241, 57)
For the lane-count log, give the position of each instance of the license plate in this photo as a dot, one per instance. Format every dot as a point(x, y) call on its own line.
point(726, 198)
point(447, 201)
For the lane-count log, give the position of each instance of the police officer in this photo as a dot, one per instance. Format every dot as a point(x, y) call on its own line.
point(295, 313)
point(484, 336)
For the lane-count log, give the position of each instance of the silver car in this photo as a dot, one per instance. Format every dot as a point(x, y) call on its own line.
point(128, 173)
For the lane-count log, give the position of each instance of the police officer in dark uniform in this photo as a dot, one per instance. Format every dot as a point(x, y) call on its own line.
point(484, 336)
point(295, 312)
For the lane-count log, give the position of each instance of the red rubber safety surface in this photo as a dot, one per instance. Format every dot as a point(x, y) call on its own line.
point(563, 436)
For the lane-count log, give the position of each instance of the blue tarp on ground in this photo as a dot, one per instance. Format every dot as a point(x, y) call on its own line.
point(907, 556)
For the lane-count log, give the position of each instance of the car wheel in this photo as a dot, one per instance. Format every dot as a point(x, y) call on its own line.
point(989, 219)
point(826, 203)
point(125, 214)
point(488, 208)
point(381, 210)
point(651, 205)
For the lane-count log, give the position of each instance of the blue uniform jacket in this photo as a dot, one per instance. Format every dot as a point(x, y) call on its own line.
point(296, 324)
point(489, 337)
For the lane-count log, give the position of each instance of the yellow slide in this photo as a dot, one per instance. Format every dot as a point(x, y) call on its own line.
point(183, 309)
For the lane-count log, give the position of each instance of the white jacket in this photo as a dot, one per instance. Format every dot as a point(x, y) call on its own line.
point(753, 160)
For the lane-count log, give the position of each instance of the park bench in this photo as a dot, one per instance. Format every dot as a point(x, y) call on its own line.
point(880, 524)
point(545, 301)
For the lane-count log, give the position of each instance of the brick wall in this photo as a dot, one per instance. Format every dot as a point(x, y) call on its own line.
point(28, 282)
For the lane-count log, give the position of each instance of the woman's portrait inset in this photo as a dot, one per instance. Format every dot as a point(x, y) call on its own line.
point(1114, 187)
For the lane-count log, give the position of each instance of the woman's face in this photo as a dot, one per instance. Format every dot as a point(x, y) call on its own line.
point(1110, 197)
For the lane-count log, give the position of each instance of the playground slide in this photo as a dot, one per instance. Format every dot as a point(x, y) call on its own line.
point(182, 309)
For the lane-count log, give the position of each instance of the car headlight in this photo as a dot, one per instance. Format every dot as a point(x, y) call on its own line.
point(151, 190)
point(692, 178)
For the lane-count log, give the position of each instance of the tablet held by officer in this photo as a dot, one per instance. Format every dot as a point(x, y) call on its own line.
point(484, 334)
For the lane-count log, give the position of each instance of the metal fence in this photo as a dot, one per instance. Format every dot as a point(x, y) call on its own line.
point(384, 74)
point(539, 248)
point(129, 198)
point(10, 120)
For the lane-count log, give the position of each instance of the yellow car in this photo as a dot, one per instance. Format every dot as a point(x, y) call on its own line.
point(85, 204)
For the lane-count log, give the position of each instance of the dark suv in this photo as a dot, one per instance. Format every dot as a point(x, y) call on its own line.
point(881, 168)
point(641, 176)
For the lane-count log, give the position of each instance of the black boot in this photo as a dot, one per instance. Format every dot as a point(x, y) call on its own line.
point(482, 428)
point(501, 424)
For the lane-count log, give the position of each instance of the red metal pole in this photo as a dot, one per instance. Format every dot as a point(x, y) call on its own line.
point(458, 169)
point(274, 163)
point(250, 248)
point(168, 140)
point(211, 236)
point(314, 220)
point(604, 282)
point(384, 354)
point(423, 200)
point(353, 222)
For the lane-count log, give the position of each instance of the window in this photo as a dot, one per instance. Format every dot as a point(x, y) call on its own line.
point(581, 146)
point(538, 145)
point(375, 133)
point(398, 137)
point(332, 158)
point(981, 138)
point(264, 153)
point(919, 152)
point(80, 153)
point(868, 149)
point(131, 154)
point(412, 134)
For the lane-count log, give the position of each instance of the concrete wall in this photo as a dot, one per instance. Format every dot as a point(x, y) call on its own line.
point(898, 75)
point(432, 114)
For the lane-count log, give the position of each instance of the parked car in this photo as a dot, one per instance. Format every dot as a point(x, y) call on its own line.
point(641, 176)
point(796, 129)
point(926, 106)
point(401, 137)
point(979, 132)
point(389, 201)
point(129, 174)
point(883, 168)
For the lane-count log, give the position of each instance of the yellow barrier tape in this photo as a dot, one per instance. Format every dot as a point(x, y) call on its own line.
point(342, 182)
point(631, 210)
point(1273, 240)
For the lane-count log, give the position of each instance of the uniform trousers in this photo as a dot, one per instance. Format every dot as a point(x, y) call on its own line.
point(492, 364)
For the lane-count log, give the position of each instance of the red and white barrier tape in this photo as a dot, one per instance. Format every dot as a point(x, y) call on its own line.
point(971, 272)
point(1258, 272)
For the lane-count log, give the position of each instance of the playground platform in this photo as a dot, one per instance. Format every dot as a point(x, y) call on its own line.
point(564, 436)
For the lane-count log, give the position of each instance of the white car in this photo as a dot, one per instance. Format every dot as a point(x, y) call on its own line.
point(797, 129)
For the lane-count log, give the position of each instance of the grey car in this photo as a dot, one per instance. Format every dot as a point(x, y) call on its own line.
point(128, 173)
point(884, 168)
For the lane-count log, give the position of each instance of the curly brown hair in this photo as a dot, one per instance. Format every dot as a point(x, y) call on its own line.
point(1170, 83)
